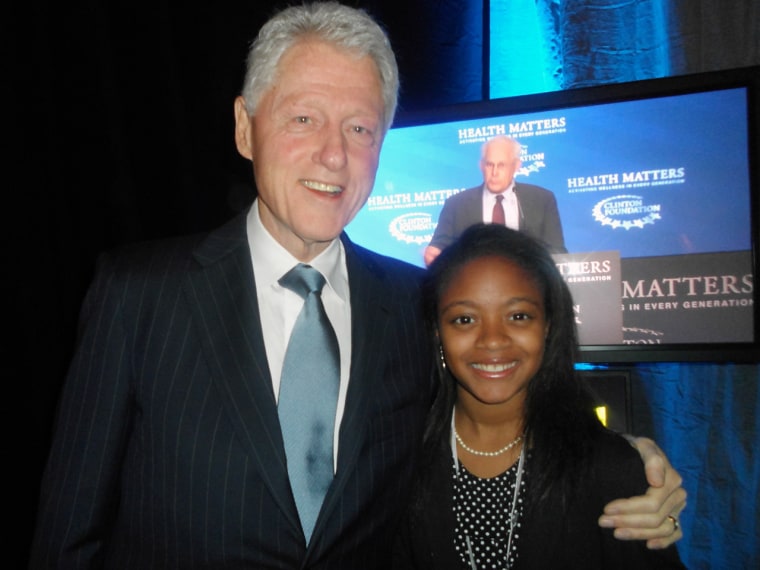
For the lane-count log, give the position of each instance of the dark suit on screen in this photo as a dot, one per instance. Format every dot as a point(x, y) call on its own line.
point(168, 451)
point(538, 216)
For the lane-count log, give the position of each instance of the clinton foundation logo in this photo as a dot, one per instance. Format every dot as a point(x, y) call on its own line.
point(626, 211)
point(531, 162)
point(416, 228)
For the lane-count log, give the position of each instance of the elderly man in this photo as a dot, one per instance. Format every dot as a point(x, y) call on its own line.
point(255, 397)
point(500, 200)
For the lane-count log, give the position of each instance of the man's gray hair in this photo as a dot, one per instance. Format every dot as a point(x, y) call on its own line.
point(344, 27)
point(512, 143)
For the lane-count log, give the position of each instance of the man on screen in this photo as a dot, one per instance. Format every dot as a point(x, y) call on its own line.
point(500, 199)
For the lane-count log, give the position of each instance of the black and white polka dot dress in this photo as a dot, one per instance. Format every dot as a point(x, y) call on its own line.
point(482, 512)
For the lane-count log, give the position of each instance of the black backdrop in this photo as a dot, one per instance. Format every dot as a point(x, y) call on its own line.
point(120, 129)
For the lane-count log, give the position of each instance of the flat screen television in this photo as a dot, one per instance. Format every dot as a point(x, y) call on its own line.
point(656, 183)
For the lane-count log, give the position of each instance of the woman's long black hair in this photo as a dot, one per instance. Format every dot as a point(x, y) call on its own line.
point(559, 416)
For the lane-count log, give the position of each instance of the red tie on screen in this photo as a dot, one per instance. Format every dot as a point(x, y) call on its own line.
point(498, 211)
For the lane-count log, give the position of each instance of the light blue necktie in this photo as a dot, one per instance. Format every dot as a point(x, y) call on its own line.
point(309, 396)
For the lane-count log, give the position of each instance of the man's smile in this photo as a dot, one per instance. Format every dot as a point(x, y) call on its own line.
point(321, 186)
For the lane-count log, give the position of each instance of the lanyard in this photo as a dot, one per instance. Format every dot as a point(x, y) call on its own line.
point(512, 513)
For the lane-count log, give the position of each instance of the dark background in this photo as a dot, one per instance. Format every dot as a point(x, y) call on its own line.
point(121, 129)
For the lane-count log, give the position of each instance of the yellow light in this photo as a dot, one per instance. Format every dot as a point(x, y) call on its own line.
point(601, 413)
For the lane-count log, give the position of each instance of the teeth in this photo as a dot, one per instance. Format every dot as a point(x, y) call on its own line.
point(493, 367)
point(321, 186)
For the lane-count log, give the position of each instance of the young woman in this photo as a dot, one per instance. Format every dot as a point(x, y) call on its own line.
point(517, 468)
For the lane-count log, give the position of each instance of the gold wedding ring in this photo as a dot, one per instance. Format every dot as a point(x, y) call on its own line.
point(676, 524)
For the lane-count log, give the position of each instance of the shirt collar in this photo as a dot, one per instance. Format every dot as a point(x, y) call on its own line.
point(271, 260)
point(487, 192)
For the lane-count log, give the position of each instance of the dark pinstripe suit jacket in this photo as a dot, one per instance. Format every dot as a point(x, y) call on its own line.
point(539, 216)
point(168, 451)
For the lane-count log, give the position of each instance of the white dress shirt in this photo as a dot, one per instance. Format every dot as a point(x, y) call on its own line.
point(279, 307)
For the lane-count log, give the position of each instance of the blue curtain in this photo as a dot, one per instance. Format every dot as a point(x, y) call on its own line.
point(705, 416)
point(605, 42)
point(542, 45)
point(524, 48)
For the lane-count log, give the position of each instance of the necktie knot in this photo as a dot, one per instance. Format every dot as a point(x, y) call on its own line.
point(499, 198)
point(302, 280)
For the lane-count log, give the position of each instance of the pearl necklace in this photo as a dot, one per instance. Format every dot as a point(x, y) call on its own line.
point(504, 449)
point(518, 483)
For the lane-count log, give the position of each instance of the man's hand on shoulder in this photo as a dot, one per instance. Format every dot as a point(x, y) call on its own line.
point(652, 516)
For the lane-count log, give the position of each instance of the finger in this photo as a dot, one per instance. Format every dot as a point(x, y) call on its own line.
point(656, 464)
point(639, 518)
point(656, 470)
point(677, 534)
point(644, 510)
point(656, 535)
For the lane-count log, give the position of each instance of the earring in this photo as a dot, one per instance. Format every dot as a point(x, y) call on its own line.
point(443, 360)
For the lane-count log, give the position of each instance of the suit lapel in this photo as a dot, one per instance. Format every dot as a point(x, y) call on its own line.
point(474, 207)
point(523, 203)
point(369, 322)
point(222, 297)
